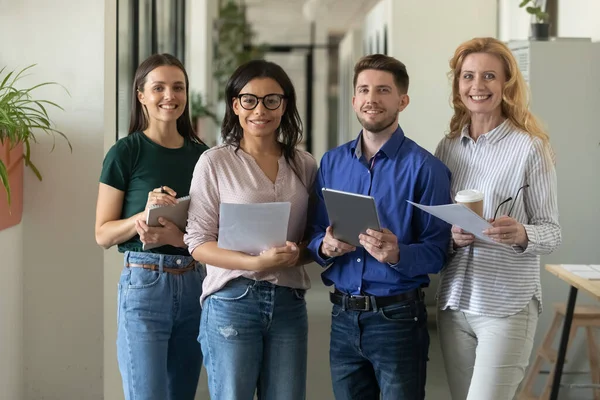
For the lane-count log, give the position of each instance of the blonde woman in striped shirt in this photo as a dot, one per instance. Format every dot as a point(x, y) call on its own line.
point(490, 295)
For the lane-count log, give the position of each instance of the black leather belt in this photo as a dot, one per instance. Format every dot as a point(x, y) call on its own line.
point(365, 303)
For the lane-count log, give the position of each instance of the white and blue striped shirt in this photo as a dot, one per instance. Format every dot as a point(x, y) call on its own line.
point(485, 278)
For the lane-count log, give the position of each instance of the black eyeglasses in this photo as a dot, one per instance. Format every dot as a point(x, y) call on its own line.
point(509, 199)
point(271, 101)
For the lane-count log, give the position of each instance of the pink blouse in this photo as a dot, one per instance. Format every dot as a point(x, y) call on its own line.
point(223, 175)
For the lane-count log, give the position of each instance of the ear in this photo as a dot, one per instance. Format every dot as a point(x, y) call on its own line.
point(141, 97)
point(235, 105)
point(353, 101)
point(404, 101)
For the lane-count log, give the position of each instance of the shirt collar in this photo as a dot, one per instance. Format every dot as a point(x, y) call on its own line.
point(389, 148)
point(492, 136)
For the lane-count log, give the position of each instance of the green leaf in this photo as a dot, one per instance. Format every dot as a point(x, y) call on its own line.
point(524, 3)
point(22, 115)
point(4, 179)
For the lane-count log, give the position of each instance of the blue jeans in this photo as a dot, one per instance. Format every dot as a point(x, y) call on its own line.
point(254, 338)
point(158, 317)
point(381, 352)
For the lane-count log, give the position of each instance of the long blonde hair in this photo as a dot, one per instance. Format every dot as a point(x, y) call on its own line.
point(515, 93)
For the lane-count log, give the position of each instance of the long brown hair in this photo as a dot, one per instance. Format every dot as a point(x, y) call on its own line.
point(139, 120)
point(515, 94)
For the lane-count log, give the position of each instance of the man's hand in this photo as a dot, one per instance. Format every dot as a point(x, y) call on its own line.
point(383, 246)
point(461, 238)
point(331, 247)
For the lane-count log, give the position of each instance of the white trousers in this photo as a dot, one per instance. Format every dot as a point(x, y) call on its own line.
point(486, 357)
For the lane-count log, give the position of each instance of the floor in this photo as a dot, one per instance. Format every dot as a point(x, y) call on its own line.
point(319, 384)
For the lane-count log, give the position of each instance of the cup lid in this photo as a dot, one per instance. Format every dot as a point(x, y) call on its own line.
point(468, 196)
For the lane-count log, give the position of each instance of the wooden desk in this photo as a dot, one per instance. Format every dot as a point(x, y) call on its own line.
point(591, 287)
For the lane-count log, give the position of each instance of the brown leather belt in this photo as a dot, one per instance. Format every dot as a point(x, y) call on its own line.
point(154, 267)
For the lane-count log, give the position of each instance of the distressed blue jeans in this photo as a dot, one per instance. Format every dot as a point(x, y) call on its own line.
point(158, 318)
point(382, 352)
point(254, 339)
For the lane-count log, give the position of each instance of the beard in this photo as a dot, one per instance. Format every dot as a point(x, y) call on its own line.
point(377, 127)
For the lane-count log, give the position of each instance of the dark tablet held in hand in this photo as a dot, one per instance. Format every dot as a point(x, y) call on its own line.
point(350, 214)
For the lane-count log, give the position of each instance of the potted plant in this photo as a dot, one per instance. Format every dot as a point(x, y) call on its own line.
point(200, 112)
point(198, 109)
point(540, 29)
point(232, 48)
point(20, 116)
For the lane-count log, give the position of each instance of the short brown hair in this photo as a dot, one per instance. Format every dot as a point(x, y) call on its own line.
point(381, 62)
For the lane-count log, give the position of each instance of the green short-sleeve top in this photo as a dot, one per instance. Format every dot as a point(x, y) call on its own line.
point(136, 165)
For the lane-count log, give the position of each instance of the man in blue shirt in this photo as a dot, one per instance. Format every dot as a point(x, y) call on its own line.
point(379, 338)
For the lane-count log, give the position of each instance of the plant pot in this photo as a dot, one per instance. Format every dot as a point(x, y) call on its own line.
point(540, 31)
point(13, 159)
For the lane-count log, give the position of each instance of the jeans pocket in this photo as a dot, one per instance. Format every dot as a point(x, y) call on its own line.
point(299, 293)
point(401, 312)
point(336, 310)
point(232, 291)
point(140, 278)
point(119, 288)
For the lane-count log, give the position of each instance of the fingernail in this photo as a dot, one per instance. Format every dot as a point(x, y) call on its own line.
point(294, 248)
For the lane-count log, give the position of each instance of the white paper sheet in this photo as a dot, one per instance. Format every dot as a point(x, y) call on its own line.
point(457, 214)
point(591, 272)
point(252, 228)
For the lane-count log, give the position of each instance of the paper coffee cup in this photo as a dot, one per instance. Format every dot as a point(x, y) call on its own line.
point(472, 199)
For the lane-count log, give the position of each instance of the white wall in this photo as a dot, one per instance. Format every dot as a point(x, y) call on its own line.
point(350, 50)
point(579, 18)
point(513, 22)
point(61, 264)
point(11, 311)
point(426, 52)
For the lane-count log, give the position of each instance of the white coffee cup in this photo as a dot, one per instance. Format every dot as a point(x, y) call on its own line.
point(472, 199)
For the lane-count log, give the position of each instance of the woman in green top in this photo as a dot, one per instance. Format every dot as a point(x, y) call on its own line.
point(159, 289)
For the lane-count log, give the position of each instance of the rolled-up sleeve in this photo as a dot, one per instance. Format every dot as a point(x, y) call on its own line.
point(203, 214)
point(543, 229)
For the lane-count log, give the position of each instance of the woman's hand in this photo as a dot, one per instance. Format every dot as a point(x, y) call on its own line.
point(167, 233)
point(278, 257)
point(509, 231)
point(162, 196)
point(461, 238)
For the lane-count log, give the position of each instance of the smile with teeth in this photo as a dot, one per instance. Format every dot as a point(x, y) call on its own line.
point(373, 112)
point(168, 106)
point(481, 97)
point(259, 122)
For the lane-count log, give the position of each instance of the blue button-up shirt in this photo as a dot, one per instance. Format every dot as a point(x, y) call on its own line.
point(401, 170)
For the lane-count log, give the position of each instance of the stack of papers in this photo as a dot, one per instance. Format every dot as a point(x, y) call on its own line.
point(584, 271)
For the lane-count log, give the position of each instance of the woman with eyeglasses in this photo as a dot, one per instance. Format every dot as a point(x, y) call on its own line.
point(254, 323)
point(489, 296)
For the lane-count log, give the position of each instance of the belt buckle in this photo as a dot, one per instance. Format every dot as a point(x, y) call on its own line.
point(367, 299)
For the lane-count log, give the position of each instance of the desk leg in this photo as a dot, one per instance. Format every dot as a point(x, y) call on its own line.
point(564, 341)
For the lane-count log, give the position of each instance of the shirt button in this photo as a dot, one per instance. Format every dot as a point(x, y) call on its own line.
point(178, 262)
point(358, 260)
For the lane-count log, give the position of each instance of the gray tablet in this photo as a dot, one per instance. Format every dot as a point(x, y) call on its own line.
point(350, 214)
